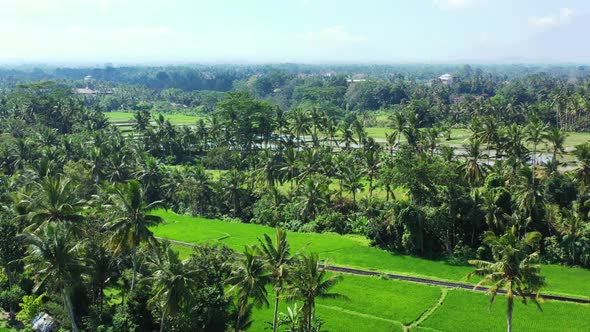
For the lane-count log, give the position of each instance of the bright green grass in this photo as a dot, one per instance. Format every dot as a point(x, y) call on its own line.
point(376, 304)
point(176, 119)
point(467, 311)
point(349, 250)
point(372, 304)
point(460, 136)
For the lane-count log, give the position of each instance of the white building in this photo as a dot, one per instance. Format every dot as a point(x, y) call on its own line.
point(446, 78)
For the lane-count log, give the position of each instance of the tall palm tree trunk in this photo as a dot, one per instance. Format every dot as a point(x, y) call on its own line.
point(163, 321)
point(70, 309)
point(509, 313)
point(275, 317)
point(134, 262)
point(534, 161)
point(311, 314)
point(11, 313)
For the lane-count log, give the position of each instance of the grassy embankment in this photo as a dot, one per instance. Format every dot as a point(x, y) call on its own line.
point(352, 251)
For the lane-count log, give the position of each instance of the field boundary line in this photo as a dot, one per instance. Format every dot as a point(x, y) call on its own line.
point(426, 314)
point(360, 314)
point(419, 280)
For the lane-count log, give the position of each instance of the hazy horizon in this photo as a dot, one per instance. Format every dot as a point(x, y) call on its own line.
point(161, 32)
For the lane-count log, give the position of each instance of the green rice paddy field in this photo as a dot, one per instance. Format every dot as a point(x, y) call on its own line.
point(176, 119)
point(460, 136)
point(377, 304)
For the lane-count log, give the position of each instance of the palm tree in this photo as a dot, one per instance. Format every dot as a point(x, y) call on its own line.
point(249, 278)
point(571, 227)
point(372, 163)
point(352, 180)
point(474, 171)
point(430, 139)
point(56, 202)
point(582, 153)
point(512, 270)
point(267, 169)
point(54, 259)
point(142, 120)
point(172, 280)
point(556, 137)
point(312, 196)
point(512, 138)
point(301, 124)
point(535, 131)
point(278, 259)
point(289, 167)
point(489, 134)
point(310, 281)
point(130, 222)
point(347, 134)
point(398, 124)
point(528, 195)
point(232, 183)
point(494, 213)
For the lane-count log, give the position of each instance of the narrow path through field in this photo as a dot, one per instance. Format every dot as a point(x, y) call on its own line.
point(359, 314)
point(424, 316)
point(420, 280)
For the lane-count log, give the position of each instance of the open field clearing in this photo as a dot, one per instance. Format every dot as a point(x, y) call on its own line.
point(467, 311)
point(176, 119)
point(349, 250)
point(372, 304)
point(376, 304)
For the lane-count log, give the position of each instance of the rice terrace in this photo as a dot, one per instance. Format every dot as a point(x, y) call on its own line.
point(294, 166)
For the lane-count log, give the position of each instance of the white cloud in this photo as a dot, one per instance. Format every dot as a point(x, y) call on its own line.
point(333, 34)
point(563, 16)
point(455, 4)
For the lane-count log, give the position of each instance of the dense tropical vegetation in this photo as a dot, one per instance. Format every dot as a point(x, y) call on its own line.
point(370, 151)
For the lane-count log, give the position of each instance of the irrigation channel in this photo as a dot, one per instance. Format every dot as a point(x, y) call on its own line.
point(419, 280)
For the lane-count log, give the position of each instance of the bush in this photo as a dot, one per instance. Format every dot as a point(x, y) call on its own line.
point(30, 306)
point(331, 222)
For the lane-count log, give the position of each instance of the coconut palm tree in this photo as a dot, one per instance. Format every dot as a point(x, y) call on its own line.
point(278, 259)
point(312, 195)
point(582, 153)
point(301, 124)
point(556, 138)
point(372, 163)
point(512, 270)
point(474, 171)
point(56, 202)
point(309, 282)
point(172, 280)
point(536, 133)
point(249, 277)
point(130, 221)
point(528, 195)
point(494, 213)
point(398, 124)
point(347, 134)
point(489, 134)
point(571, 227)
point(266, 171)
point(352, 178)
point(289, 166)
point(55, 262)
point(512, 142)
point(232, 183)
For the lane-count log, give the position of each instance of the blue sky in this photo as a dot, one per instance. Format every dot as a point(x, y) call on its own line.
point(310, 31)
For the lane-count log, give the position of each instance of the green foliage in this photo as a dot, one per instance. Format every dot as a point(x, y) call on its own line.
point(30, 307)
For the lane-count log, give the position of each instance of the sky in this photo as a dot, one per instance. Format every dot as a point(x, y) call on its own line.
point(301, 31)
